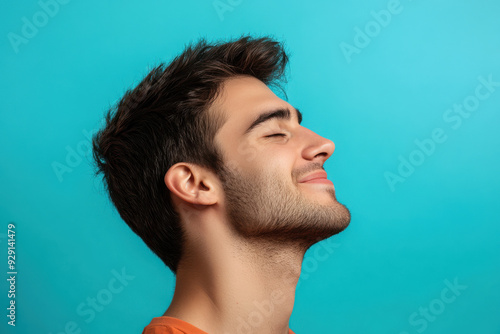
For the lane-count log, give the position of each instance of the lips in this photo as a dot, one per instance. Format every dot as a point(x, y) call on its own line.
point(317, 177)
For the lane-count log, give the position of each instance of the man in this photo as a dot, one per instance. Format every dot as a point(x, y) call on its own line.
point(217, 176)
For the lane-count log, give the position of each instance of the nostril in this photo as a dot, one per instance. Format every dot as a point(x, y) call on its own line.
point(321, 153)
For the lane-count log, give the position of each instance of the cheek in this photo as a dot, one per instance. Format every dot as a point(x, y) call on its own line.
point(257, 158)
point(276, 163)
point(280, 155)
point(239, 157)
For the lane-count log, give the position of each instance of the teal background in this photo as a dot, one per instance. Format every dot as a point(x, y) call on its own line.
point(403, 244)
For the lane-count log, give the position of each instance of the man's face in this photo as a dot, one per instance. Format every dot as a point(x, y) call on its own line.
point(266, 165)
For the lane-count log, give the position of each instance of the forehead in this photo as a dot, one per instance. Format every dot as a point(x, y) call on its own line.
point(243, 98)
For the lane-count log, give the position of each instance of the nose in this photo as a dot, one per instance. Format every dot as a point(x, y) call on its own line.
point(316, 147)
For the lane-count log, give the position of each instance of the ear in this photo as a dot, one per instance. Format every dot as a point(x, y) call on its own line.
point(192, 183)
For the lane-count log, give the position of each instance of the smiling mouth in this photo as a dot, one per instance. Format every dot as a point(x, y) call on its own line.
point(316, 177)
point(319, 180)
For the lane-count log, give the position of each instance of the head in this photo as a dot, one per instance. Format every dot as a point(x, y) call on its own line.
point(190, 113)
point(275, 185)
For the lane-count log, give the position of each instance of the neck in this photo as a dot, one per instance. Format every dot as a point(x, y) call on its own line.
point(237, 286)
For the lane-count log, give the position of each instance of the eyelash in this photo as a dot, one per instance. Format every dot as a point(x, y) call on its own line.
point(277, 135)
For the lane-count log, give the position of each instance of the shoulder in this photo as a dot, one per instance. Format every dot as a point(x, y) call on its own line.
point(170, 325)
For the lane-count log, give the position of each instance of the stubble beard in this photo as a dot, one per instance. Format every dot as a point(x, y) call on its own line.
point(263, 208)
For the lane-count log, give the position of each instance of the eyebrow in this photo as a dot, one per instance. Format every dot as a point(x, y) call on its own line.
point(281, 113)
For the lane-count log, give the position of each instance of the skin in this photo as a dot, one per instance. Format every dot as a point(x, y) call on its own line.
point(247, 229)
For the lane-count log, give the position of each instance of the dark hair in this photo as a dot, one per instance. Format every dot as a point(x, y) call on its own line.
point(164, 120)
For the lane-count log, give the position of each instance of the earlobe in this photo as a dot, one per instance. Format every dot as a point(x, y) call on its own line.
point(191, 183)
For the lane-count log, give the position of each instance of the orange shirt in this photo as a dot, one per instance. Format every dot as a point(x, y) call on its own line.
point(170, 325)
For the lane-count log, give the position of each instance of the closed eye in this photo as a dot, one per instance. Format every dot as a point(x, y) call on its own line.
point(277, 135)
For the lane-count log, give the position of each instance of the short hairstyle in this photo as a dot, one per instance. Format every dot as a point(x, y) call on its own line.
point(164, 120)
